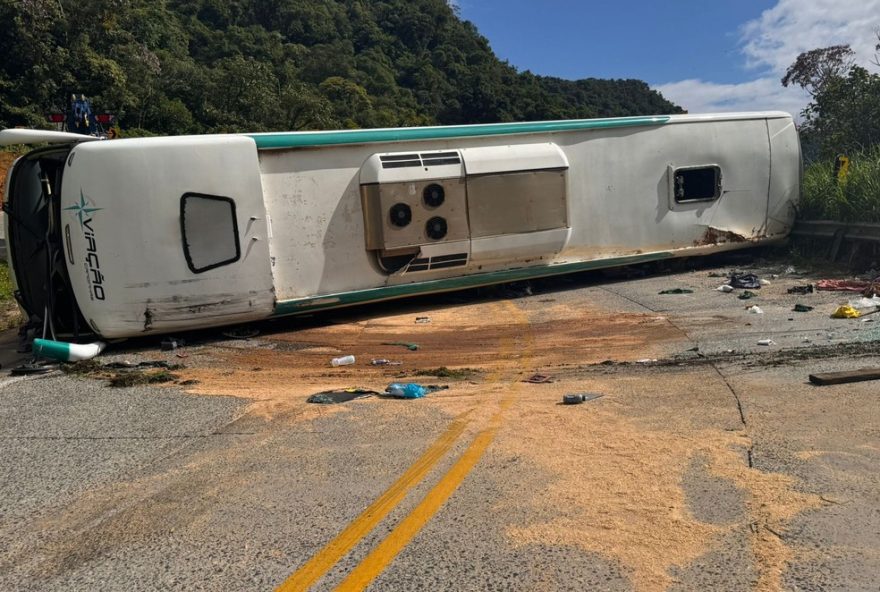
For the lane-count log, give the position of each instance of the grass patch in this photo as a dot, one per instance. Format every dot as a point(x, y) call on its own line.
point(448, 373)
point(857, 199)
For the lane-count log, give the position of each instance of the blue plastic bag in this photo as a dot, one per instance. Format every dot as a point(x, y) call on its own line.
point(409, 390)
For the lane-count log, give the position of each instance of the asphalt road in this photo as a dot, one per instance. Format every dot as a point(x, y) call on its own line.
point(717, 468)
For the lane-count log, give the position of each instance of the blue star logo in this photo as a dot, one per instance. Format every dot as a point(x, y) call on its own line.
point(82, 208)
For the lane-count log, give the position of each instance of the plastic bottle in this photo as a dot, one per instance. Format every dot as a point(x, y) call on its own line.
point(343, 361)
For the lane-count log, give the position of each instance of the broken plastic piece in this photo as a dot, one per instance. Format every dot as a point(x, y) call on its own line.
point(766, 342)
point(67, 352)
point(725, 288)
point(538, 379)
point(576, 398)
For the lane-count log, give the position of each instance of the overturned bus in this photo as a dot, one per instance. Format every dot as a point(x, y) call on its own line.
point(155, 235)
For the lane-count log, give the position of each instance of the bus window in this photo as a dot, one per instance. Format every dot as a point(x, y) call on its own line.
point(701, 183)
point(210, 231)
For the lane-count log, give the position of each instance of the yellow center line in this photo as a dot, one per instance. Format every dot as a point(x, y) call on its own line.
point(383, 554)
point(333, 551)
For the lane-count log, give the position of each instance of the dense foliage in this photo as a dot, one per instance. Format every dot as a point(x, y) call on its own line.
point(192, 66)
point(851, 198)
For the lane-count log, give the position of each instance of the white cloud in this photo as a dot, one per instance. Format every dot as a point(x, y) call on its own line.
point(771, 43)
point(762, 94)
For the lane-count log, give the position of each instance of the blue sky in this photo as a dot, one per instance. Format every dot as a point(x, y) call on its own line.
point(707, 56)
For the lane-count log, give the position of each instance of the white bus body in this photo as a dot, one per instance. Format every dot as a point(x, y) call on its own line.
point(166, 234)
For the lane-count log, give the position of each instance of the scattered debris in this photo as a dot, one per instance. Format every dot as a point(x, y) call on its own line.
point(677, 291)
point(577, 398)
point(802, 308)
point(384, 362)
point(646, 361)
point(538, 379)
point(342, 361)
point(423, 320)
point(411, 390)
point(845, 312)
point(865, 303)
point(808, 289)
point(409, 346)
point(755, 309)
point(766, 342)
point(241, 333)
point(340, 395)
point(747, 295)
point(33, 368)
point(748, 281)
point(726, 288)
point(844, 377)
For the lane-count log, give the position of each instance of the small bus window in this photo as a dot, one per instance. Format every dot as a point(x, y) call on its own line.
point(697, 183)
point(210, 231)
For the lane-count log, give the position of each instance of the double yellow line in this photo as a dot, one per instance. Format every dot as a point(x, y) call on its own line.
point(385, 552)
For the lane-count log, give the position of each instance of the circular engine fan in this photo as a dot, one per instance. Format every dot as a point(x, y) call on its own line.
point(436, 228)
point(434, 195)
point(401, 214)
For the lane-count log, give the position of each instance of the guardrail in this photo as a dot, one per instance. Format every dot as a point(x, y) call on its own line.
point(838, 232)
point(831, 229)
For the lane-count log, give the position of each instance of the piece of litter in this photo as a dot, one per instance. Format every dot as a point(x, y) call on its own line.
point(423, 320)
point(342, 361)
point(808, 289)
point(755, 309)
point(765, 282)
point(746, 295)
point(384, 362)
point(748, 281)
point(576, 398)
point(411, 390)
point(538, 379)
point(677, 291)
point(646, 361)
point(725, 288)
point(867, 320)
point(802, 308)
point(845, 312)
point(766, 342)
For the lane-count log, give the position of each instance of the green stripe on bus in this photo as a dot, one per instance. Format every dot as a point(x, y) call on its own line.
point(407, 134)
point(313, 303)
